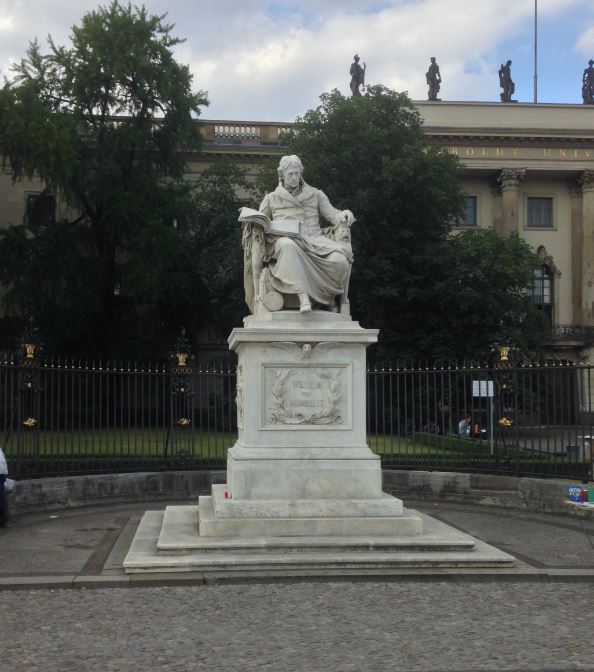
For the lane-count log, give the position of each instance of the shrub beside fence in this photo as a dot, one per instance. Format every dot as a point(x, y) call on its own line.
point(72, 417)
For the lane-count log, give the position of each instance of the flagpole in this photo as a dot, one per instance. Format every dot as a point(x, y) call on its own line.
point(535, 51)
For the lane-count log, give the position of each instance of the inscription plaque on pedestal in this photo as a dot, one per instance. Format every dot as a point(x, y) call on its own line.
point(306, 397)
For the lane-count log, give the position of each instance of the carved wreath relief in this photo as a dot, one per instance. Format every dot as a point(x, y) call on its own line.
point(305, 396)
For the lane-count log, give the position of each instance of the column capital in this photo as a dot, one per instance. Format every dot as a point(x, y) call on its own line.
point(511, 178)
point(586, 180)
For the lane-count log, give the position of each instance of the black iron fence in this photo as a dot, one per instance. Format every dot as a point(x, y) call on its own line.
point(510, 418)
point(73, 417)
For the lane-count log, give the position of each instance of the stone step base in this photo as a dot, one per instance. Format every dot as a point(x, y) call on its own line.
point(182, 550)
point(180, 535)
point(384, 505)
point(211, 525)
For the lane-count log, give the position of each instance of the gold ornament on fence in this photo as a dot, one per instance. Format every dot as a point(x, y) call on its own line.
point(503, 353)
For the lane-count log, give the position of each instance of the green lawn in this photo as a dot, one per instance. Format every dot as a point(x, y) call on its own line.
point(156, 443)
point(32, 452)
point(397, 445)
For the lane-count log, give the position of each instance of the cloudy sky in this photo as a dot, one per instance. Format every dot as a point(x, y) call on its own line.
point(269, 60)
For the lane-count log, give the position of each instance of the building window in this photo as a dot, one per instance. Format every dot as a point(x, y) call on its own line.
point(541, 290)
point(40, 208)
point(539, 213)
point(469, 217)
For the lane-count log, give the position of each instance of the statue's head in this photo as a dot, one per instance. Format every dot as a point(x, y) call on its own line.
point(356, 57)
point(508, 63)
point(290, 170)
point(590, 62)
point(432, 59)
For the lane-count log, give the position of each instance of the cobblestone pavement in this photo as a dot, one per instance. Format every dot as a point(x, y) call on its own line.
point(302, 627)
point(78, 541)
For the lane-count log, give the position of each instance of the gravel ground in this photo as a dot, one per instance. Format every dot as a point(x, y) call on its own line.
point(302, 626)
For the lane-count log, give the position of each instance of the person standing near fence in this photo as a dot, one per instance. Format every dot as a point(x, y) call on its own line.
point(464, 427)
point(3, 502)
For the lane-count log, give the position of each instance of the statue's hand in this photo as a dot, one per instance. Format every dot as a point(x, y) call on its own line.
point(347, 217)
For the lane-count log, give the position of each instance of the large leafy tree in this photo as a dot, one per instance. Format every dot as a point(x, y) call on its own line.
point(369, 154)
point(213, 302)
point(482, 298)
point(106, 123)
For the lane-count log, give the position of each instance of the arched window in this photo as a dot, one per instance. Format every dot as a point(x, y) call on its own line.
point(541, 290)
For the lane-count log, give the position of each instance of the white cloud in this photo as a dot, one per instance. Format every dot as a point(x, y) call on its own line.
point(269, 60)
point(288, 69)
point(8, 23)
point(585, 43)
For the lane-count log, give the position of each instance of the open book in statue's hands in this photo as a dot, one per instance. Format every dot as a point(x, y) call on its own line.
point(282, 227)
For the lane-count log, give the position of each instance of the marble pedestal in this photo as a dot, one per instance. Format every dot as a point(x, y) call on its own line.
point(303, 492)
point(301, 465)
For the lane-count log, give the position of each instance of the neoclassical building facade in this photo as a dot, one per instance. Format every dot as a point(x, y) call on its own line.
point(528, 168)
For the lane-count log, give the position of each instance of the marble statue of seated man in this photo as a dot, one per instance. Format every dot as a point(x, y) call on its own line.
point(313, 265)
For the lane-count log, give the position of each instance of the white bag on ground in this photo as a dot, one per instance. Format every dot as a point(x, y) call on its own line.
point(9, 485)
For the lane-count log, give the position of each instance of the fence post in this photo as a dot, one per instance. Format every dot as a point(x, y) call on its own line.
point(27, 402)
point(180, 429)
point(505, 385)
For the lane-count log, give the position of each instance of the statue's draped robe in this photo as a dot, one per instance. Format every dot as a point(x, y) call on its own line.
point(311, 263)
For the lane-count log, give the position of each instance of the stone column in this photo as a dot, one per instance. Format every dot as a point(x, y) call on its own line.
point(497, 210)
point(586, 182)
point(577, 236)
point(509, 180)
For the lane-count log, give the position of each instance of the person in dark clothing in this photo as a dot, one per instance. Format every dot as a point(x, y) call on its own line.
point(3, 502)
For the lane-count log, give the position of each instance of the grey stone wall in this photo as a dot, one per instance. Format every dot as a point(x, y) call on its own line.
point(46, 494)
point(531, 494)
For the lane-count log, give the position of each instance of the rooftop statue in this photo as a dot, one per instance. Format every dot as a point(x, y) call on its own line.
point(290, 260)
point(506, 83)
point(588, 84)
point(357, 76)
point(433, 77)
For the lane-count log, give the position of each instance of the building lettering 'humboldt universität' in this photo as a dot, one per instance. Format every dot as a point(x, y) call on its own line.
point(529, 168)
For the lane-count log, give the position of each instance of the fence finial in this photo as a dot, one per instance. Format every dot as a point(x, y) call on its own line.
point(503, 353)
point(181, 357)
point(30, 346)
